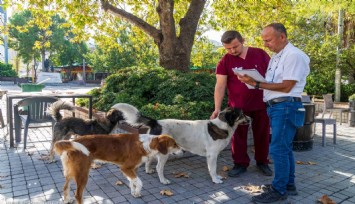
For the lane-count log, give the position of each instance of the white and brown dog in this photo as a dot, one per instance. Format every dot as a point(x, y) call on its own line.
point(128, 151)
point(203, 137)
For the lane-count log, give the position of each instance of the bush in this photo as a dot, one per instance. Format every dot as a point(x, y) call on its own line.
point(159, 93)
point(7, 71)
point(323, 83)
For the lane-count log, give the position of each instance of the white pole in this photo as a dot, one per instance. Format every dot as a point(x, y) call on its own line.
point(84, 74)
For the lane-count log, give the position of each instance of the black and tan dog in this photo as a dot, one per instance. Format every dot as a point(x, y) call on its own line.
point(66, 127)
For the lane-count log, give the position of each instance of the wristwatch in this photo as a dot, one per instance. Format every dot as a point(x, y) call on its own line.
point(257, 85)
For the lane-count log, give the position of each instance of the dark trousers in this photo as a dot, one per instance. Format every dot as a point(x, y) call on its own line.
point(261, 134)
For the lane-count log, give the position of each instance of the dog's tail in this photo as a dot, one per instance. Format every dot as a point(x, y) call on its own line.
point(54, 109)
point(66, 145)
point(133, 117)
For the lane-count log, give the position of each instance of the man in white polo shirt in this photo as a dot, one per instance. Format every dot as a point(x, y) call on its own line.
point(286, 77)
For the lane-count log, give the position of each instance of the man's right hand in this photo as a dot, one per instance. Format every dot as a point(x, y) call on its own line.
point(214, 114)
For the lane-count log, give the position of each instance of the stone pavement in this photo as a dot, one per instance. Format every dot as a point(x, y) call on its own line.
point(24, 178)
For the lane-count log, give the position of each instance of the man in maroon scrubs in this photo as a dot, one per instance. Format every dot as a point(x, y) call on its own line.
point(249, 100)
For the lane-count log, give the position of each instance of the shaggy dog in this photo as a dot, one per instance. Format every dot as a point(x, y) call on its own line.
point(64, 128)
point(203, 137)
point(128, 151)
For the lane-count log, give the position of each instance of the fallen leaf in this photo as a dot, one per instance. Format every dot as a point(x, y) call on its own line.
point(181, 174)
point(226, 168)
point(118, 183)
point(326, 200)
point(166, 192)
point(252, 188)
point(300, 162)
point(43, 157)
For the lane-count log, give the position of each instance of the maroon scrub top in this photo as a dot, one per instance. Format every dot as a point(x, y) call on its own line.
point(239, 95)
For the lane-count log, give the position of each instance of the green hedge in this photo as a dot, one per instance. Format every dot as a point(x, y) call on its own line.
point(159, 93)
point(7, 71)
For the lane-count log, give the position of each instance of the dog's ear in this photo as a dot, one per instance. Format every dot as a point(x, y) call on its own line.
point(159, 144)
point(230, 115)
point(114, 115)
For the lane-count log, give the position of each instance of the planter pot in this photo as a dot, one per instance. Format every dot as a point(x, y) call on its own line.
point(26, 87)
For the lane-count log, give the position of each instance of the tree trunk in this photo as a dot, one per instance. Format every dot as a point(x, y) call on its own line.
point(174, 50)
point(43, 55)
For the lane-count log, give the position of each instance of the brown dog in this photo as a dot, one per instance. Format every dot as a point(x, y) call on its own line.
point(128, 151)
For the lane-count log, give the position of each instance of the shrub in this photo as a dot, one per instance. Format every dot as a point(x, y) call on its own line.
point(7, 71)
point(159, 93)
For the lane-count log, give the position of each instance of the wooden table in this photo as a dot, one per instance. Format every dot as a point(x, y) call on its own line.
point(10, 97)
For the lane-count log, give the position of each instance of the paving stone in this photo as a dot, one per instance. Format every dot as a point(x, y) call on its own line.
point(25, 178)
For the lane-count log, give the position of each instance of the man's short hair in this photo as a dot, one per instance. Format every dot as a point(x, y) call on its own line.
point(230, 35)
point(279, 27)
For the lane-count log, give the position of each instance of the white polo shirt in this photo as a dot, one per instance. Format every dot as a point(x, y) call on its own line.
point(290, 63)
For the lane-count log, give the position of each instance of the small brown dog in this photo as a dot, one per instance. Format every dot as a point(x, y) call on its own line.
point(128, 151)
point(64, 128)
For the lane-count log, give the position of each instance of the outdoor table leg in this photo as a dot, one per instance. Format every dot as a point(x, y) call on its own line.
point(90, 107)
point(73, 99)
point(9, 121)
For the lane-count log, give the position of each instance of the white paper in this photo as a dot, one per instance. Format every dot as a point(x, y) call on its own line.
point(253, 73)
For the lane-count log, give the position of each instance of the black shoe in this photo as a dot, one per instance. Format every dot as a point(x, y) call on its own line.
point(291, 189)
point(265, 169)
point(270, 196)
point(236, 171)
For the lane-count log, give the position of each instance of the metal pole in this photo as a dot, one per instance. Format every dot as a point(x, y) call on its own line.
point(3, 10)
point(5, 40)
point(84, 74)
point(339, 47)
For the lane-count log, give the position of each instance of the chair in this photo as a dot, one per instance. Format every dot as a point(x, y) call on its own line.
point(328, 106)
point(1, 116)
point(325, 122)
point(32, 110)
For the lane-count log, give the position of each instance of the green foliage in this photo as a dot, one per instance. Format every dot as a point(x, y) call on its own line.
point(347, 90)
point(352, 97)
point(159, 93)
point(7, 71)
point(123, 47)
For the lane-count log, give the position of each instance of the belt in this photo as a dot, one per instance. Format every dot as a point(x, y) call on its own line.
point(282, 99)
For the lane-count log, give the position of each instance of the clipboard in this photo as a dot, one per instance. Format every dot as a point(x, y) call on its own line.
point(253, 73)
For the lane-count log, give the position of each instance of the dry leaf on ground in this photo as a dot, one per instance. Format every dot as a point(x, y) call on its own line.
point(43, 157)
point(226, 168)
point(252, 188)
point(326, 200)
point(181, 174)
point(306, 163)
point(166, 192)
point(118, 183)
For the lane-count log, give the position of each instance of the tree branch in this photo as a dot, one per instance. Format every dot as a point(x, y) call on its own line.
point(165, 11)
point(147, 28)
point(189, 23)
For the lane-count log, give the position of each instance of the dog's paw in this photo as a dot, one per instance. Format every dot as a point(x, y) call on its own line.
point(217, 179)
point(136, 194)
point(165, 181)
point(149, 171)
point(69, 201)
